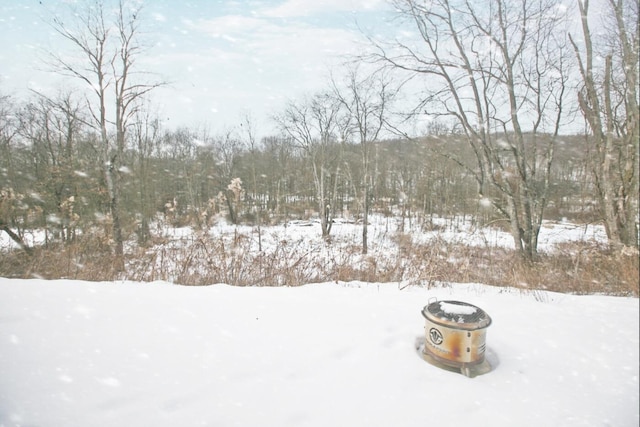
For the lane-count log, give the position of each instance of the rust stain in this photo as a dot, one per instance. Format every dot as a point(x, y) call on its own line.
point(454, 345)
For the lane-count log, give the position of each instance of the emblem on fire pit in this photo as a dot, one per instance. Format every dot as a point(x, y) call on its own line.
point(435, 336)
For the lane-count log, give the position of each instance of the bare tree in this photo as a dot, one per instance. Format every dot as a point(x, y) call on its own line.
point(248, 131)
point(498, 69)
point(609, 102)
point(8, 130)
point(280, 159)
point(109, 48)
point(9, 198)
point(367, 99)
point(146, 136)
point(51, 125)
point(313, 125)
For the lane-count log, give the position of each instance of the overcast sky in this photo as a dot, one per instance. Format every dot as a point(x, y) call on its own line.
point(223, 57)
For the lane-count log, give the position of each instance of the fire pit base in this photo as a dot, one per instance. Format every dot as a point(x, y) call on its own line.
point(468, 370)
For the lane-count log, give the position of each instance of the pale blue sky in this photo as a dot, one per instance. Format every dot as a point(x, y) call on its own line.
point(223, 57)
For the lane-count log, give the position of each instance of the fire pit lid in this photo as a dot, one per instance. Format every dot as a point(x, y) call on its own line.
point(457, 314)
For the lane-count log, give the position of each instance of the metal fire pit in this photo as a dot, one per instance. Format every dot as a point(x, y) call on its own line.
point(455, 334)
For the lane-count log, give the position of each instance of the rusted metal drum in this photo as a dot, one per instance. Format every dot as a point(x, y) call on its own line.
point(455, 333)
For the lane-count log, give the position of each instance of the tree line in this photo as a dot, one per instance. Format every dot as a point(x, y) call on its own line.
point(496, 82)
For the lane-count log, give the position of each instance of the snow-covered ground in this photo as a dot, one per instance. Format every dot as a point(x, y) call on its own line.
point(331, 354)
point(382, 230)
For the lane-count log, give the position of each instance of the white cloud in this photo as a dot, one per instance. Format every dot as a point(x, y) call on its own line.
point(297, 8)
point(159, 17)
point(268, 42)
point(229, 24)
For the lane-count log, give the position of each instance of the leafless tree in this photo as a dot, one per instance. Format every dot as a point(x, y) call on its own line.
point(499, 69)
point(9, 198)
point(279, 153)
point(609, 102)
point(51, 126)
point(248, 133)
point(146, 137)
point(313, 124)
point(367, 99)
point(8, 130)
point(108, 47)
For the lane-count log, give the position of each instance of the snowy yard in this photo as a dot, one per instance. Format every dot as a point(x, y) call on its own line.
point(134, 144)
point(332, 354)
point(124, 353)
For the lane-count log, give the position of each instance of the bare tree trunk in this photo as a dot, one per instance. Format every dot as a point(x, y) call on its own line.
point(16, 239)
point(611, 110)
point(365, 216)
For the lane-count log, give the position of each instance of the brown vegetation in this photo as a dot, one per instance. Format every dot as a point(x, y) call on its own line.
point(577, 268)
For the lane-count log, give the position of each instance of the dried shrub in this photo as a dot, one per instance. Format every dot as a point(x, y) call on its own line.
point(235, 259)
point(86, 258)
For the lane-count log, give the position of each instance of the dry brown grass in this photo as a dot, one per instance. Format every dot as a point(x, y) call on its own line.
point(86, 259)
point(578, 268)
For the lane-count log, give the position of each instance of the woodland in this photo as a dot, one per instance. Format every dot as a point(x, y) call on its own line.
point(98, 175)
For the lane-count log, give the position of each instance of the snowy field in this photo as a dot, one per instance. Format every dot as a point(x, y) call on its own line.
point(382, 231)
point(332, 354)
